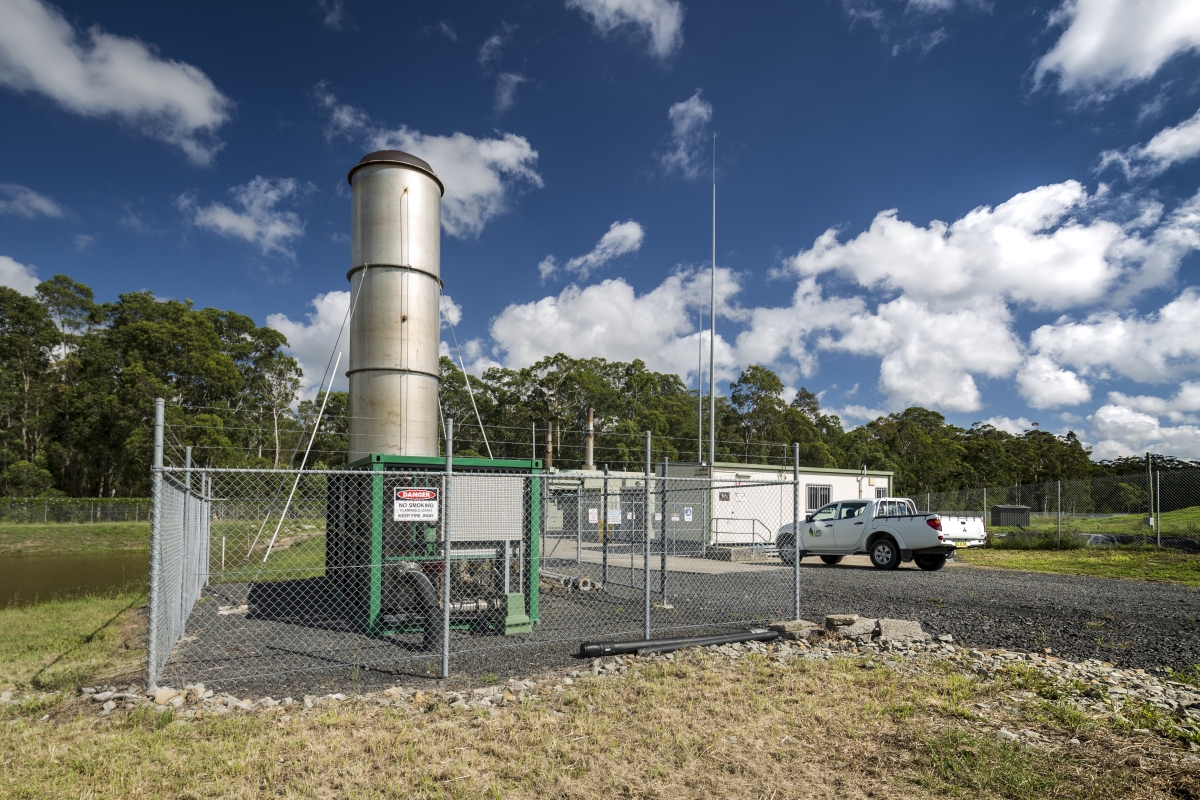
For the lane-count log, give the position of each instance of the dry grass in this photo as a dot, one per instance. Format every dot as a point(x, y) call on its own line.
point(701, 728)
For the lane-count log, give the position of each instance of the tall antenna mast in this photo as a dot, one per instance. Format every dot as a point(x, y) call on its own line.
point(700, 387)
point(712, 326)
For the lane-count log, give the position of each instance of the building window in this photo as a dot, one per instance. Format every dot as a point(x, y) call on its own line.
point(880, 492)
point(817, 496)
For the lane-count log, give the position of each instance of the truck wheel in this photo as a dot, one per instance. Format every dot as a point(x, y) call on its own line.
point(787, 551)
point(831, 560)
point(885, 554)
point(930, 563)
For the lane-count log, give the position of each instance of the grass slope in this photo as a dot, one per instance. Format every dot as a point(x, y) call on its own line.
point(699, 728)
point(63, 643)
point(1105, 562)
point(63, 538)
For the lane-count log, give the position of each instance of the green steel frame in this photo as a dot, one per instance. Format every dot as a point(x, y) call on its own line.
point(523, 611)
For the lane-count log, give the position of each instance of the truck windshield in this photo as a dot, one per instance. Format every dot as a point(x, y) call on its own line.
point(827, 512)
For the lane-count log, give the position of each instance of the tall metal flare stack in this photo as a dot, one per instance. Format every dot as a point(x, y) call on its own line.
point(395, 279)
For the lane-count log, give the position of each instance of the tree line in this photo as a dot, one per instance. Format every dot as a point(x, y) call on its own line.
point(78, 381)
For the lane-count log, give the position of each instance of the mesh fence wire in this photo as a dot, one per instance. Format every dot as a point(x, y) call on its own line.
point(1160, 509)
point(59, 510)
point(268, 573)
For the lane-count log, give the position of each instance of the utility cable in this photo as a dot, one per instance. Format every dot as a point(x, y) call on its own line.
point(466, 378)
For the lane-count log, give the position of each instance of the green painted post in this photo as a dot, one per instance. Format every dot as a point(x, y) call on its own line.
point(535, 554)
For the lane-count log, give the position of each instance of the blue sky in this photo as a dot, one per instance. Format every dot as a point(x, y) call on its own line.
point(986, 208)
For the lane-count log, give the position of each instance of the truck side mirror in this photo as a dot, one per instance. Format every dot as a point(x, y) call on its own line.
point(808, 517)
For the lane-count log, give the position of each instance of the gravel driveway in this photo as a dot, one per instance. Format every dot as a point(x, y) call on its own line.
point(1135, 624)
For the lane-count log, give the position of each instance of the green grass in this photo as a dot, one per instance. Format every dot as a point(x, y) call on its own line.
point(1107, 562)
point(1183, 522)
point(66, 538)
point(63, 643)
point(302, 559)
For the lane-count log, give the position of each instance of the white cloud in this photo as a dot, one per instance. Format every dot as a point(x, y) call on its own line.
point(909, 24)
point(1168, 147)
point(312, 341)
point(687, 142)
point(445, 30)
point(95, 73)
point(1110, 44)
point(480, 175)
point(258, 221)
point(506, 90)
point(621, 239)
point(489, 51)
point(1045, 384)
point(449, 311)
point(929, 355)
point(855, 412)
point(335, 14)
point(1016, 426)
point(83, 241)
point(659, 22)
point(1032, 249)
point(18, 276)
point(26, 203)
point(611, 320)
point(1179, 408)
point(1123, 431)
point(1152, 348)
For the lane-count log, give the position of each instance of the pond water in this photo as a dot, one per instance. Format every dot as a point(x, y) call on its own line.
point(25, 580)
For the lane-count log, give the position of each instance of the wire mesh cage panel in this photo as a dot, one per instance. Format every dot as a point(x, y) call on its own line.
point(266, 574)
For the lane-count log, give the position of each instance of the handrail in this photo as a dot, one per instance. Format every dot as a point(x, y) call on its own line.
point(754, 523)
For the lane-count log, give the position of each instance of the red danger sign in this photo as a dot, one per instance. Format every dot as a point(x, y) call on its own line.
point(416, 505)
point(416, 494)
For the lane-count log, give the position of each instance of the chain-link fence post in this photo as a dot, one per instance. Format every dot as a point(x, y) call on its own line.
point(155, 546)
point(1158, 510)
point(604, 532)
point(446, 549)
point(1060, 515)
point(796, 529)
point(662, 534)
point(646, 541)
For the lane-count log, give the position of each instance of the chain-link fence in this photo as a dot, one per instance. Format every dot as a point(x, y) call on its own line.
point(179, 559)
point(1160, 508)
point(46, 510)
point(267, 573)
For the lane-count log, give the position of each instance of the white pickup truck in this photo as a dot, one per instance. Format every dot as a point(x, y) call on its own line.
point(964, 530)
point(890, 530)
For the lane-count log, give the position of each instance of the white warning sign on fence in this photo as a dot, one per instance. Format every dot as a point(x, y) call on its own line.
point(614, 516)
point(687, 515)
point(593, 516)
point(416, 505)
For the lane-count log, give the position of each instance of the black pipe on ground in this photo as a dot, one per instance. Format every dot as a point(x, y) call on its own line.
point(601, 649)
point(425, 595)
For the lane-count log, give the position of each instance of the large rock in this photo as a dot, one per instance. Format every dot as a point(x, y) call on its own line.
point(863, 629)
point(900, 630)
point(792, 626)
point(163, 695)
point(834, 622)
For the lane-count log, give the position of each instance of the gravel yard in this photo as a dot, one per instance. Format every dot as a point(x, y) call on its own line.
point(1133, 624)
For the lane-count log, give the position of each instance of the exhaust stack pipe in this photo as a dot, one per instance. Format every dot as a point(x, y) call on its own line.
point(395, 281)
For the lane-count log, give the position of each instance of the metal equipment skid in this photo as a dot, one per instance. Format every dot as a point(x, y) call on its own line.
point(387, 564)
